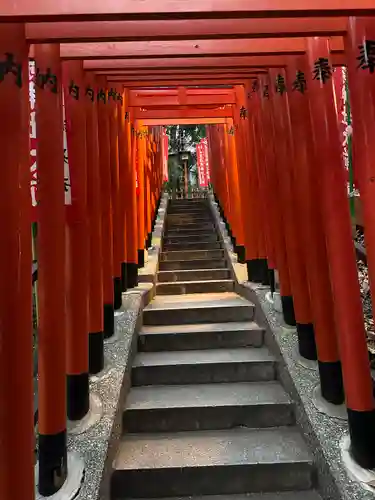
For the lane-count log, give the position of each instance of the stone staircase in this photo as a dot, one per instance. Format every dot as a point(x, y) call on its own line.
point(206, 416)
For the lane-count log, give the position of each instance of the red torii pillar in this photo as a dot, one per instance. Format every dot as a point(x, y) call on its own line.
point(274, 200)
point(359, 46)
point(341, 254)
point(115, 197)
point(131, 205)
point(94, 201)
point(16, 365)
point(312, 233)
point(77, 244)
point(51, 272)
point(123, 187)
point(289, 210)
point(105, 184)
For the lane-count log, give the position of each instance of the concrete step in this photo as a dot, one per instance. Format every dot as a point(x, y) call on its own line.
point(211, 462)
point(193, 275)
point(197, 308)
point(192, 254)
point(207, 407)
point(202, 286)
point(192, 245)
point(278, 495)
point(185, 265)
point(182, 231)
point(207, 226)
point(188, 211)
point(180, 219)
point(200, 336)
point(242, 364)
point(190, 237)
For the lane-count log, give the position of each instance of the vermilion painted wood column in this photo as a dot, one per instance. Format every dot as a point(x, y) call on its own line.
point(77, 244)
point(131, 206)
point(234, 185)
point(51, 271)
point(289, 209)
point(16, 366)
point(359, 49)
point(254, 97)
point(311, 232)
point(115, 197)
point(123, 187)
point(139, 162)
point(94, 201)
point(274, 200)
point(105, 184)
point(148, 195)
point(248, 201)
point(341, 255)
point(231, 200)
point(258, 268)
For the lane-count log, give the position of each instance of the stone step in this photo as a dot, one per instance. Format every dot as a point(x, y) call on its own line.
point(193, 275)
point(200, 336)
point(180, 218)
point(192, 254)
point(211, 462)
point(208, 227)
point(202, 286)
point(197, 308)
point(173, 224)
point(182, 231)
point(188, 211)
point(207, 407)
point(178, 238)
point(185, 265)
point(278, 495)
point(192, 245)
point(242, 364)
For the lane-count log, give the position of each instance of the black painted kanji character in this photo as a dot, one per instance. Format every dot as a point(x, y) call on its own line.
point(102, 96)
point(66, 184)
point(10, 66)
point(280, 84)
point(120, 98)
point(255, 86)
point(66, 156)
point(266, 93)
point(43, 80)
point(90, 93)
point(367, 55)
point(112, 93)
point(322, 70)
point(74, 90)
point(126, 115)
point(300, 82)
point(231, 130)
point(243, 112)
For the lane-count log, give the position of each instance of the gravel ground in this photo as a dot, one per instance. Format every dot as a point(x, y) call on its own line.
point(366, 296)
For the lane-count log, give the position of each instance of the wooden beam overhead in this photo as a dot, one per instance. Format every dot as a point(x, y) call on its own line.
point(163, 114)
point(182, 80)
point(90, 10)
point(196, 62)
point(181, 29)
point(189, 48)
point(199, 82)
point(184, 121)
point(177, 71)
point(197, 100)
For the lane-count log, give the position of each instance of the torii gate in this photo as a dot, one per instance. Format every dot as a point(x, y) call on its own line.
point(128, 46)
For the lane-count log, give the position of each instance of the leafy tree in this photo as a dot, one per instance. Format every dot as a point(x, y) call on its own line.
point(183, 138)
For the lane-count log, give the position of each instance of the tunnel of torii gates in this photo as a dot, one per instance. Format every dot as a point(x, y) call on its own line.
point(261, 76)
